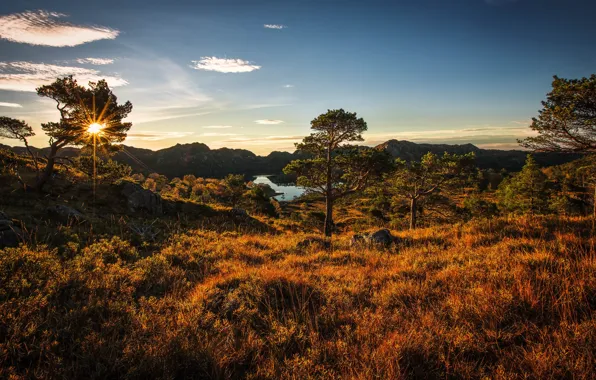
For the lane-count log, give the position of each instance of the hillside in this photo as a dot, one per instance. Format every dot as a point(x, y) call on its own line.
point(491, 299)
point(510, 160)
point(129, 283)
point(198, 159)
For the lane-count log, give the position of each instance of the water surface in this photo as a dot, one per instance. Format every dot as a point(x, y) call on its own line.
point(287, 192)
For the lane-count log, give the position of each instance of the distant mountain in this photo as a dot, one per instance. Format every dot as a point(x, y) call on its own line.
point(510, 160)
point(194, 158)
point(200, 160)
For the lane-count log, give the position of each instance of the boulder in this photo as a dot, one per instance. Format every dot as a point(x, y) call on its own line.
point(10, 235)
point(140, 199)
point(383, 237)
point(64, 214)
point(380, 237)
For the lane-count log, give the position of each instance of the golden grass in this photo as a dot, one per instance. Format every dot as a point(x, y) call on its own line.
point(507, 298)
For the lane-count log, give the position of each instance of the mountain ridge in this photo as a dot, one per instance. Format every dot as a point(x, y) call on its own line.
point(199, 159)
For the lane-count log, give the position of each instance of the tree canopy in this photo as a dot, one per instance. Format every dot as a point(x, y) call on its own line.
point(80, 106)
point(418, 179)
point(526, 191)
point(567, 121)
point(336, 168)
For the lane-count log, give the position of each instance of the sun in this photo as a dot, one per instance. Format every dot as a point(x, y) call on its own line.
point(95, 128)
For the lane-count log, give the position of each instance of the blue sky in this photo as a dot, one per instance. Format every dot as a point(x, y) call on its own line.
point(252, 74)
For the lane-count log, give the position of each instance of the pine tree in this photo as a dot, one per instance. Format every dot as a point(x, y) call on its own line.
point(526, 191)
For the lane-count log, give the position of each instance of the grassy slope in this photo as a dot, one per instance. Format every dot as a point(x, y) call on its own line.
point(501, 299)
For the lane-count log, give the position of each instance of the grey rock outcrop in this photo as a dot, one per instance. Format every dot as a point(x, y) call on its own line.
point(140, 199)
point(381, 237)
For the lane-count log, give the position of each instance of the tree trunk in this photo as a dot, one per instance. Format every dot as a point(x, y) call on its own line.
point(413, 211)
point(328, 198)
point(594, 210)
point(49, 169)
point(328, 215)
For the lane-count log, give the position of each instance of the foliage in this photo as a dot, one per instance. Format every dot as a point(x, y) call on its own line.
point(336, 169)
point(235, 187)
point(526, 191)
point(430, 175)
point(475, 206)
point(107, 170)
point(15, 129)
point(567, 121)
point(80, 106)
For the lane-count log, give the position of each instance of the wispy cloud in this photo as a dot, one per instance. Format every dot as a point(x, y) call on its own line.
point(288, 85)
point(11, 105)
point(149, 116)
point(263, 140)
point(45, 28)
point(274, 26)
point(224, 65)
point(263, 105)
point(26, 76)
point(269, 122)
point(95, 61)
point(156, 135)
point(216, 134)
point(217, 126)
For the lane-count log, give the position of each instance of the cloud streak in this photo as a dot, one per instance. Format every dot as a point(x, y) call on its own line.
point(10, 105)
point(95, 61)
point(274, 26)
point(26, 76)
point(269, 122)
point(224, 65)
point(155, 135)
point(45, 28)
point(218, 126)
point(216, 134)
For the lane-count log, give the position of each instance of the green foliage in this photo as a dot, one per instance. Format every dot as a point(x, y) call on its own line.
point(475, 206)
point(567, 121)
point(526, 191)
point(235, 187)
point(107, 171)
point(80, 106)
point(423, 179)
point(15, 129)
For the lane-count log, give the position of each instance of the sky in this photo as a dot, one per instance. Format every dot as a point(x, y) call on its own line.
point(253, 74)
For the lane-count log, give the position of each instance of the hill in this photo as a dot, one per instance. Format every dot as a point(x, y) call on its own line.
point(202, 161)
point(492, 299)
point(510, 160)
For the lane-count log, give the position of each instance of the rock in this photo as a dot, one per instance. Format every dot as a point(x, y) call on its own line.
point(383, 237)
point(313, 242)
point(140, 199)
point(10, 235)
point(380, 237)
point(64, 214)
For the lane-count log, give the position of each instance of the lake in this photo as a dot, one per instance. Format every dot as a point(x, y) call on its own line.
point(287, 192)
